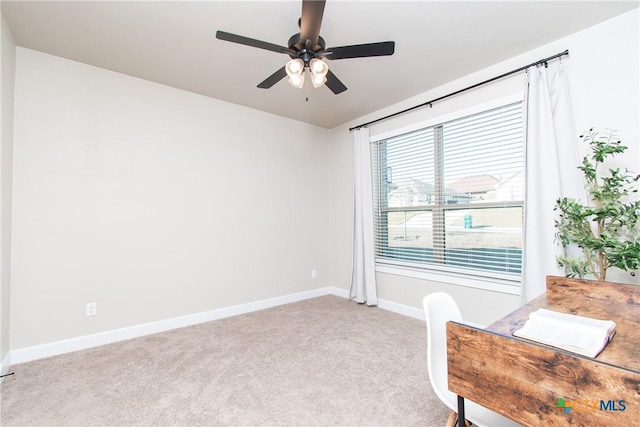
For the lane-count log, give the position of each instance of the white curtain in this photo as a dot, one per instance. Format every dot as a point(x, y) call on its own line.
point(363, 277)
point(552, 160)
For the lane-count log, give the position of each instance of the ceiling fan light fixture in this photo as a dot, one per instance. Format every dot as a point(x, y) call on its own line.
point(295, 67)
point(318, 80)
point(297, 80)
point(318, 66)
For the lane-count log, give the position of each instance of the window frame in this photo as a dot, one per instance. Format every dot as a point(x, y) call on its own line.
point(494, 281)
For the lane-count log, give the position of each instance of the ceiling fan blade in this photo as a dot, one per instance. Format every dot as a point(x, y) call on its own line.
point(273, 79)
point(361, 50)
point(334, 83)
point(234, 38)
point(311, 20)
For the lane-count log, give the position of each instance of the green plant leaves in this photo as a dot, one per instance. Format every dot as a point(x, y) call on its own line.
point(607, 229)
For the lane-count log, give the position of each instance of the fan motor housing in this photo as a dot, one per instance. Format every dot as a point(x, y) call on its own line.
point(296, 43)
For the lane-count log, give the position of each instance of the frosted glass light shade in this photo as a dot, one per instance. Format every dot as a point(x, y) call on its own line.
point(297, 80)
point(318, 80)
point(317, 70)
point(295, 67)
point(318, 66)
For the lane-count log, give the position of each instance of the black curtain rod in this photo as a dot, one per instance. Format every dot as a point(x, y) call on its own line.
point(424, 104)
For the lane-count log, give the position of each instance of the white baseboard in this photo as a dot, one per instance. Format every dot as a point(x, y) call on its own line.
point(28, 354)
point(88, 341)
point(5, 366)
point(395, 307)
point(405, 310)
point(339, 292)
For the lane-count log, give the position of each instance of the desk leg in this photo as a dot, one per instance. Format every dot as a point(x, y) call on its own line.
point(461, 418)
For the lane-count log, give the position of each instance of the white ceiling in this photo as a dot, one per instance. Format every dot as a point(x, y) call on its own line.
point(174, 43)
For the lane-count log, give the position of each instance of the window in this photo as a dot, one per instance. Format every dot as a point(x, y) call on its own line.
point(450, 196)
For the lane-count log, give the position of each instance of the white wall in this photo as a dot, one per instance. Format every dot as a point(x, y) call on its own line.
point(603, 70)
point(6, 155)
point(154, 202)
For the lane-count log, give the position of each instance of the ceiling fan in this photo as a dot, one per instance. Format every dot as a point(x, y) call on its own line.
point(307, 51)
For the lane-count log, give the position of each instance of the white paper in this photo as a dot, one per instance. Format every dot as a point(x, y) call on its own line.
point(578, 334)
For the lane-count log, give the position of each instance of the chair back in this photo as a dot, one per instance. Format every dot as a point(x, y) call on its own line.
point(439, 308)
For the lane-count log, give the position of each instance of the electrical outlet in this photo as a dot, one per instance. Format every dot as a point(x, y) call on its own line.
point(314, 274)
point(91, 309)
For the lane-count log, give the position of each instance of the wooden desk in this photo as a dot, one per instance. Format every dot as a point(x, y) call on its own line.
point(523, 380)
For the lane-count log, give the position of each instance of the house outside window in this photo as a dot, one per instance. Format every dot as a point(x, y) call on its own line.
point(450, 196)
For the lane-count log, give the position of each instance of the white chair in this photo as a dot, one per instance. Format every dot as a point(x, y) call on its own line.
point(439, 308)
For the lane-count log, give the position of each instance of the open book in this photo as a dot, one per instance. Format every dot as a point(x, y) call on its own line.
point(578, 334)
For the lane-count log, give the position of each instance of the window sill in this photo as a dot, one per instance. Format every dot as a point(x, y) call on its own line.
point(505, 286)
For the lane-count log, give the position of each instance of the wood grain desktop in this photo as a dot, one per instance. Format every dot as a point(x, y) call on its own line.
point(524, 380)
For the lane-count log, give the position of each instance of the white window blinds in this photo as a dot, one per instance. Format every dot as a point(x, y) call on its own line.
point(450, 196)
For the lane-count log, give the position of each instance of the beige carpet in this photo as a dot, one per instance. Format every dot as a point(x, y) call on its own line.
point(320, 362)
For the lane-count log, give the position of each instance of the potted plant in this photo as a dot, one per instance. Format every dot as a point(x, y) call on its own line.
point(606, 230)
